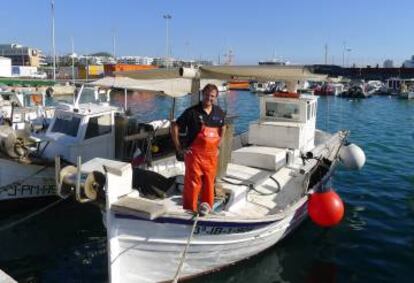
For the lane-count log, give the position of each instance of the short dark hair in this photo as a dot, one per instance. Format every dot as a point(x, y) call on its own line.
point(209, 87)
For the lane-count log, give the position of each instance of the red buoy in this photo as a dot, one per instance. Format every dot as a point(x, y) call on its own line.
point(326, 209)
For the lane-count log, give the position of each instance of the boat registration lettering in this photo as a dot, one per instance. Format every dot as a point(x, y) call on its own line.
point(17, 190)
point(218, 230)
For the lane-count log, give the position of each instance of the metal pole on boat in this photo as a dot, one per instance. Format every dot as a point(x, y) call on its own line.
point(53, 39)
point(78, 178)
point(172, 113)
point(126, 99)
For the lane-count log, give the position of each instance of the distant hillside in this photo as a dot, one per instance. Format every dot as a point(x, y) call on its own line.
point(102, 54)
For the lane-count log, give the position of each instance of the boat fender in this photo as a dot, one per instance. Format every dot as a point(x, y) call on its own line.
point(326, 208)
point(352, 156)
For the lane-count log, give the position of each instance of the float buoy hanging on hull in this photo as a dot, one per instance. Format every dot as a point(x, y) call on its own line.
point(352, 156)
point(326, 209)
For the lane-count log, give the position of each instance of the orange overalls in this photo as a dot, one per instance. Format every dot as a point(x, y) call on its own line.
point(200, 168)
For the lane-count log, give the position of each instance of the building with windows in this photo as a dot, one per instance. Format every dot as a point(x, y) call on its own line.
point(22, 55)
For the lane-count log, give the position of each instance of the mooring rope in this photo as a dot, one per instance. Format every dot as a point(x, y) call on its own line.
point(190, 237)
point(31, 215)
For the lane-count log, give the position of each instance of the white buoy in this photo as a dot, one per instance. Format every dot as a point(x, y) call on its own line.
point(352, 156)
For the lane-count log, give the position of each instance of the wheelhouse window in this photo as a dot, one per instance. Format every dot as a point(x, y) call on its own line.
point(98, 126)
point(67, 125)
point(282, 111)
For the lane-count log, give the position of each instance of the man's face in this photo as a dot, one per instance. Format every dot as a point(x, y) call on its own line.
point(209, 98)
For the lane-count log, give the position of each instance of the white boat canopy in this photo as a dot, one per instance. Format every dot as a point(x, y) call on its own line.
point(177, 87)
point(177, 82)
point(282, 73)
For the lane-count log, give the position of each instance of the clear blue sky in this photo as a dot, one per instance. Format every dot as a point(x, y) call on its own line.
point(296, 29)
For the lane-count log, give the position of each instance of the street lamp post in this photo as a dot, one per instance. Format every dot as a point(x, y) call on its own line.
point(167, 18)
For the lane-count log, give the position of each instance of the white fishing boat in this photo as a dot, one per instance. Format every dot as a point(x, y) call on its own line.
point(19, 108)
point(28, 141)
point(266, 178)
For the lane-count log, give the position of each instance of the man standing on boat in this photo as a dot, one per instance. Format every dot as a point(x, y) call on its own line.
point(204, 125)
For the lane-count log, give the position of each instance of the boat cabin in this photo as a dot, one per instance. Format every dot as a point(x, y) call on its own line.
point(100, 130)
point(24, 107)
point(285, 123)
point(396, 85)
point(285, 129)
point(87, 131)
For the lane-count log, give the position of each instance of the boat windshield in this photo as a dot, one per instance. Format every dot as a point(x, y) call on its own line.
point(66, 125)
point(282, 111)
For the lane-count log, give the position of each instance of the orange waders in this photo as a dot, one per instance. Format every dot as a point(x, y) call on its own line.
point(200, 168)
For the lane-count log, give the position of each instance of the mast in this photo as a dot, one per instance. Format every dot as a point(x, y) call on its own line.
point(73, 59)
point(167, 18)
point(113, 46)
point(53, 38)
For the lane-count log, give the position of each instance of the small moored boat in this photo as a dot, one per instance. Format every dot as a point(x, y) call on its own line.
point(267, 178)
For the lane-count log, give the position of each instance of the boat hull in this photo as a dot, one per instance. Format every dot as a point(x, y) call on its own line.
point(25, 181)
point(151, 251)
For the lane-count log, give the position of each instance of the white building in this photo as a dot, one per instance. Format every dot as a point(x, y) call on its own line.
point(135, 60)
point(5, 67)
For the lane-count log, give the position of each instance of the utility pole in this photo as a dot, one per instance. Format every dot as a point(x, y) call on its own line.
point(53, 39)
point(167, 18)
point(326, 54)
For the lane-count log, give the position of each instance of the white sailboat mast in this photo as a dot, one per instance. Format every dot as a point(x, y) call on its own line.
point(53, 39)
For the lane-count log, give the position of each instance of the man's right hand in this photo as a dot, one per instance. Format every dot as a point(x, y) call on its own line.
point(179, 154)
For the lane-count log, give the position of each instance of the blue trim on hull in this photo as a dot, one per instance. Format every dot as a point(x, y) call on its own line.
point(200, 222)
